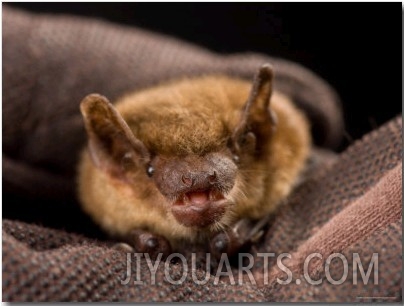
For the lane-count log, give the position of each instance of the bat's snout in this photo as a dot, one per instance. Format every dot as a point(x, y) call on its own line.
point(196, 187)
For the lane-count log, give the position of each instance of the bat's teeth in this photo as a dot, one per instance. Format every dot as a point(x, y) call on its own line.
point(199, 197)
point(215, 195)
point(181, 200)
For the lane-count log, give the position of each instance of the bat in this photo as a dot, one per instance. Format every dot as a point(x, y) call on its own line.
point(202, 160)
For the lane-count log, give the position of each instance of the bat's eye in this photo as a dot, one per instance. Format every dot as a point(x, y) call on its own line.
point(236, 158)
point(150, 171)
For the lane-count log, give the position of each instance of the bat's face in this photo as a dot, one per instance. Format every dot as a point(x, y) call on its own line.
point(198, 184)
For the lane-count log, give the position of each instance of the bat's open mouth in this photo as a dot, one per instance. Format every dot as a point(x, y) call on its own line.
point(199, 208)
point(200, 197)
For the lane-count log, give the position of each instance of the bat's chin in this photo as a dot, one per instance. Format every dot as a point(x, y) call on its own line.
point(199, 208)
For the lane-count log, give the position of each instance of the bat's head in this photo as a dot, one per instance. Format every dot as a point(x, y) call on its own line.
point(199, 182)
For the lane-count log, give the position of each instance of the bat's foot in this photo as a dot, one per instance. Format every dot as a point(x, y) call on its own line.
point(147, 242)
point(123, 247)
point(240, 235)
point(224, 242)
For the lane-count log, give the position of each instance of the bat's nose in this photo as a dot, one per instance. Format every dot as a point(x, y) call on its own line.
point(187, 180)
point(199, 180)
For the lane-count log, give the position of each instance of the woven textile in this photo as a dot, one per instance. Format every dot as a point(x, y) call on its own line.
point(349, 203)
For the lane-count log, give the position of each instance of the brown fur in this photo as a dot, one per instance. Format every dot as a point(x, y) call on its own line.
point(195, 117)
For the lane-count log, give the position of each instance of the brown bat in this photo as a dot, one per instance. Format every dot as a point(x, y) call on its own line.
point(203, 160)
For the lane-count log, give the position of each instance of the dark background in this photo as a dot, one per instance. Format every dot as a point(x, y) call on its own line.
point(355, 47)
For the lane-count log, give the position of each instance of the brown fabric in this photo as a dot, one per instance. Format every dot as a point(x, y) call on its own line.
point(350, 203)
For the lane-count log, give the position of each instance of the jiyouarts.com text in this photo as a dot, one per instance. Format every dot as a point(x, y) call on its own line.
point(135, 272)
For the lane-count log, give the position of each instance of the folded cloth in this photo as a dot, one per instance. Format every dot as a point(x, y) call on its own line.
point(349, 203)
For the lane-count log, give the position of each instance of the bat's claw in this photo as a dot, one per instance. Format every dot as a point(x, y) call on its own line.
point(224, 242)
point(146, 242)
point(241, 234)
point(123, 247)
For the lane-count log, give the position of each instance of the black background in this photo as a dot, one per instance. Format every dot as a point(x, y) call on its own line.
point(355, 47)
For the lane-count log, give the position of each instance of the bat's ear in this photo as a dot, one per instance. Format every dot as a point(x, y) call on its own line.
point(112, 145)
point(257, 121)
